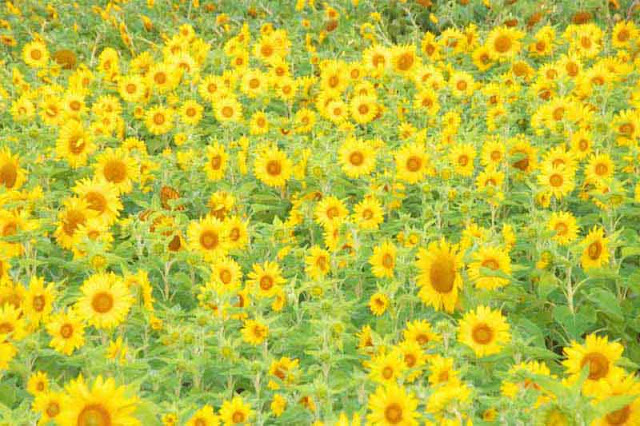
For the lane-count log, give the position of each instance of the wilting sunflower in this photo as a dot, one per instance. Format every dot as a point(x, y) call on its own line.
point(368, 213)
point(66, 331)
point(105, 300)
point(392, 405)
point(492, 258)
point(216, 164)
point(204, 417)
point(514, 389)
point(383, 260)
point(209, 237)
point(596, 249)
point(101, 404)
point(599, 356)
point(439, 278)
point(317, 263)
point(412, 163)
point(254, 332)
point(12, 176)
point(484, 330)
point(235, 412)
point(272, 167)
point(74, 144)
point(265, 278)
point(357, 158)
point(102, 198)
point(565, 226)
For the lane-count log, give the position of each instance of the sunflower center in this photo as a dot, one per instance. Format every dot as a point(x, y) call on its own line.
point(502, 43)
point(209, 240)
point(238, 417)
point(39, 303)
point(266, 283)
point(442, 275)
point(561, 228)
point(160, 78)
point(94, 415)
point(333, 81)
point(66, 331)
point(601, 169)
point(363, 109)
point(8, 175)
point(463, 160)
point(102, 302)
point(598, 365)
point(556, 180)
point(115, 171)
point(9, 229)
point(6, 328)
point(461, 85)
point(414, 164)
point(96, 201)
point(77, 144)
point(491, 264)
point(595, 250)
point(73, 219)
point(482, 334)
point(585, 42)
point(36, 54)
point(387, 261)
point(227, 112)
point(619, 417)
point(393, 413)
point(53, 409)
point(200, 422)
point(274, 168)
point(387, 372)
point(410, 360)
point(405, 62)
point(254, 83)
point(225, 276)
point(216, 162)
point(367, 214)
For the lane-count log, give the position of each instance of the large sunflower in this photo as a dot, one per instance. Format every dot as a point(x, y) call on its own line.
point(102, 404)
point(105, 300)
point(439, 278)
point(484, 330)
point(392, 405)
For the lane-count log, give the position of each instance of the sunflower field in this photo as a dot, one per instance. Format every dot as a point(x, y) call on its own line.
point(341, 212)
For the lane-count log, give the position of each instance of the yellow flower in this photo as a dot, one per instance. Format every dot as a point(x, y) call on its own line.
point(484, 330)
point(330, 211)
point(12, 176)
point(209, 237)
point(596, 249)
point(35, 54)
point(378, 303)
point(368, 213)
point(272, 167)
point(265, 278)
point(439, 276)
point(565, 227)
point(48, 404)
point(105, 300)
point(412, 163)
point(159, 120)
point(235, 412)
point(38, 301)
point(66, 331)
point(74, 144)
point(118, 168)
point(491, 258)
point(383, 260)
point(204, 417)
point(357, 158)
point(216, 164)
point(504, 42)
point(38, 383)
point(317, 263)
point(392, 405)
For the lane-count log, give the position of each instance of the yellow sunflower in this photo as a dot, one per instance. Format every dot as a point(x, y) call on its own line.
point(228, 110)
point(12, 323)
point(421, 332)
point(412, 163)
point(596, 249)
point(204, 417)
point(439, 276)
point(378, 303)
point(392, 405)
point(209, 237)
point(363, 109)
point(105, 300)
point(38, 300)
point(235, 412)
point(504, 42)
point(599, 168)
point(254, 332)
point(159, 120)
point(226, 275)
point(118, 168)
point(216, 164)
point(12, 176)
point(272, 167)
point(76, 212)
point(74, 144)
point(100, 404)
point(461, 157)
point(556, 181)
point(357, 157)
point(565, 226)
point(484, 330)
point(237, 233)
point(383, 260)
point(35, 54)
point(101, 197)
point(66, 331)
point(330, 211)
point(492, 258)
point(317, 263)
point(48, 404)
point(368, 213)
point(265, 278)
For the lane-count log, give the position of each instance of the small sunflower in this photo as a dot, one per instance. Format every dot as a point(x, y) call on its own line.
point(217, 161)
point(596, 249)
point(492, 258)
point(272, 167)
point(66, 331)
point(439, 276)
point(484, 330)
point(383, 260)
point(392, 405)
point(266, 278)
point(235, 412)
point(565, 226)
point(105, 300)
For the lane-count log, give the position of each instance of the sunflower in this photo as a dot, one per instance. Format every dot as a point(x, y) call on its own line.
point(74, 144)
point(377, 60)
point(599, 169)
point(462, 84)
point(191, 112)
point(383, 260)
point(523, 154)
point(368, 213)
point(439, 277)
point(565, 227)
point(254, 332)
point(330, 211)
point(76, 212)
point(378, 303)
point(426, 100)
point(414, 359)
point(163, 77)
point(482, 58)
point(35, 54)
point(216, 164)
point(336, 111)
point(139, 285)
point(159, 120)
point(392, 405)
point(118, 168)
point(304, 120)
point(623, 34)
point(596, 249)
point(492, 258)
point(66, 331)
point(132, 88)
point(259, 123)
point(357, 158)
point(504, 42)
point(272, 167)
point(412, 163)
point(363, 109)
point(254, 83)
point(102, 198)
point(556, 181)
point(228, 110)
point(212, 88)
point(204, 417)
point(462, 156)
point(514, 390)
point(12, 323)
point(387, 367)
point(105, 300)
point(209, 237)
point(317, 263)
point(38, 300)
point(226, 275)
point(581, 144)
point(51, 110)
point(7, 352)
point(285, 370)
point(12, 176)
point(237, 234)
point(421, 332)
point(442, 371)
point(101, 404)
point(265, 278)
point(235, 412)
point(48, 404)
point(627, 415)
point(484, 330)
point(404, 59)
point(599, 356)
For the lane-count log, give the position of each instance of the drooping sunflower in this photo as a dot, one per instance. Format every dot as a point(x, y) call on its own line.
point(596, 249)
point(74, 143)
point(392, 405)
point(368, 213)
point(105, 300)
point(317, 263)
point(118, 168)
point(266, 278)
point(235, 412)
point(216, 164)
point(209, 237)
point(383, 260)
point(102, 404)
point(492, 258)
point(12, 176)
point(599, 356)
point(565, 226)
point(272, 167)
point(66, 331)
point(101, 197)
point(484, 330)
point(439, 278)
point(412, 163)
